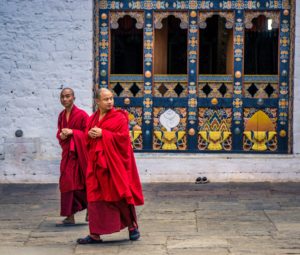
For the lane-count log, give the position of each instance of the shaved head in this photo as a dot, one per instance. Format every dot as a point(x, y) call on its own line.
point(67, 90)
point(104, 100)
point(101, 91)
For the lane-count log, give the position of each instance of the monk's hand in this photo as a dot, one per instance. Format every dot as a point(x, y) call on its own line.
point(62, 136)
point(67, 131)
point(95, 132)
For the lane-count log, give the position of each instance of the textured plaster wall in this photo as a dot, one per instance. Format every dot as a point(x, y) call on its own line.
point(44, 45)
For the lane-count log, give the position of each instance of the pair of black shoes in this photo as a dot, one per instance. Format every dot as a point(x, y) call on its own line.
point(201, 180)
point(134, 235)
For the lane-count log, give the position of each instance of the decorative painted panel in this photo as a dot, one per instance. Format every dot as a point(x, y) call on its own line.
point(103, 47)
point(130, 88)
point(229, 16)
point(249, 16)
point(260, 129)
point(135, 115)
point(214, 129)
point(159, 16)
point(237, 104)
point(135, 125)
point(170, 89)
point(193, 4)
point(148, 80)
point(169, 128)
point(284, 106)
point(215, 89)
point(115, 16)
point(260, 89)
point(192, 53)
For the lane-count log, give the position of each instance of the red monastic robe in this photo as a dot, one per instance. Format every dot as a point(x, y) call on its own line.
point(112, 174)
point(74, 162)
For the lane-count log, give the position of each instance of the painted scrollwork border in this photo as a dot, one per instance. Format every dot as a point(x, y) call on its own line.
point(249, 16)
point(115, 16)
point(159, 16)
point(229, 16)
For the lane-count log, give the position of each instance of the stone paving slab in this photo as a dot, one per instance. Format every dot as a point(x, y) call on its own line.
point(199, 251)
point(177, 219)
point(32, 250)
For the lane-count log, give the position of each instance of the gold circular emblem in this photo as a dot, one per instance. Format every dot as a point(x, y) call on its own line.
point(214, 101)
point(286, 12)
point(103, 16)
point(192, 131)
point(238, 74)
point(282, 133)
point(193, 14)
point(148, 74)
point(126, 100)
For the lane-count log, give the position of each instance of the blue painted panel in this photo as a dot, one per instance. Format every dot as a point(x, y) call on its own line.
point(222, 102)
point(133, 102)
point(170, 102)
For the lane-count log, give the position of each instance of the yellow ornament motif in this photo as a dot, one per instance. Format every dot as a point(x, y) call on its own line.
point(169, 139)
point(135, 134)
point(260, 130)
point(259, 139)
point(215, 139)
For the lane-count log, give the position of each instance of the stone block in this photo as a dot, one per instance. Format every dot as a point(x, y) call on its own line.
point(21, 147)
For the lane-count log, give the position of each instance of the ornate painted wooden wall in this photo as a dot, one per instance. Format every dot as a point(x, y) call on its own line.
point(199, 113)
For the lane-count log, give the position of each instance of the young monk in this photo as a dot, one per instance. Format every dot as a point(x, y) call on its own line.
point(70, 134)
point(113, 184)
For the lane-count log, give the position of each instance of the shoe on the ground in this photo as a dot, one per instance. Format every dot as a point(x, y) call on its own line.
point(134, 234)
point(88, 240)
point(65, 223)
point(201, 180)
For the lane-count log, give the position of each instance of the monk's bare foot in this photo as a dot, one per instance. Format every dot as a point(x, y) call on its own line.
point(95, 237)
point(68, 221)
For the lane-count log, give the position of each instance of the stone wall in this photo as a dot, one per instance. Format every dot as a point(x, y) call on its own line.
point(46, 45)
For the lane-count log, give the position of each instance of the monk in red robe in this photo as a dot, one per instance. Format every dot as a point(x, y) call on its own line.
point(70, 134)
point(112, 180)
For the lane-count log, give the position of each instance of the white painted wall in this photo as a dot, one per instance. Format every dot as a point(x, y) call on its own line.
point(45, 44)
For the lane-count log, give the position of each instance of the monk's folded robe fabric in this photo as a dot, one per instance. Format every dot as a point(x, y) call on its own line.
point(113, 184)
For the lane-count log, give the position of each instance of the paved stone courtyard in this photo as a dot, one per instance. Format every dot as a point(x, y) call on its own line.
point(177, 219)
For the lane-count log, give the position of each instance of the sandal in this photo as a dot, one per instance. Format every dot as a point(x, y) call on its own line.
point(88, 240)
point(65, 223)
point(134, 234)
point(201, 180)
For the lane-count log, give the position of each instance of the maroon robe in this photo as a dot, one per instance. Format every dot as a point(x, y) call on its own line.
point(73, 162)
point(113, 184)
